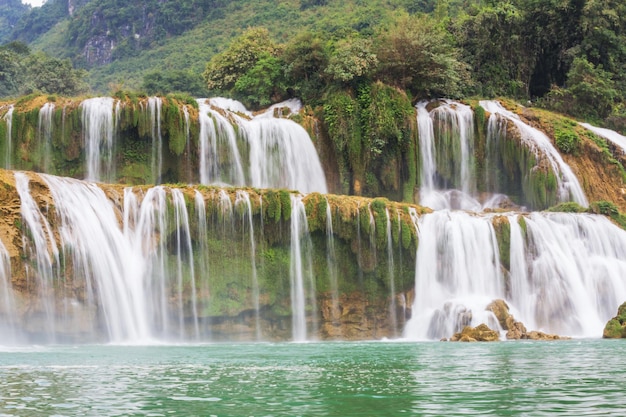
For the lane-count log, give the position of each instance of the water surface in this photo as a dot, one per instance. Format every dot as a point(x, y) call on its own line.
point(580, 378)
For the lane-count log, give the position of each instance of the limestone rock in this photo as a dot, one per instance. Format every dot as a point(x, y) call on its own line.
point(480, 333)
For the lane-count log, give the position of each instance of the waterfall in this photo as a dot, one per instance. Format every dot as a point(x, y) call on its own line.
point(39, 246)
point(282, 156)
point(220, 161)
point(457, 274)
point(300, 269)
point(204, 291)
point(98, 135)
point(101, 256)
point(566, 273)
point(611, 135)
point(184, 270)
point(391, 276)
point(44, 135)
point(446, 139)
point(8, 118)
point(243, 198)
point(279, 152)
point(568, 186)
point(331, 263)
point(8, 319)
point(154, 112)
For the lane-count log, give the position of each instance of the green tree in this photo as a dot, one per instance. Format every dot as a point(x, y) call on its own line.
point(165, 82)
point(243, 53)
point(262, 84)
point(352, 60)
point(416, 53)
point(306, 58)
point(491, 41)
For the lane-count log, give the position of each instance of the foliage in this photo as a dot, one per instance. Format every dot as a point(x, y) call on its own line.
point(241, 56)
point(351, 60)
point(566, 140)
point(10, 13)
point(181, 81)
point(23, 72)
point(416, 54)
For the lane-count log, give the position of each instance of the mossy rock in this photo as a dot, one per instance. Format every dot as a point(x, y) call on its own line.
point(616, 327)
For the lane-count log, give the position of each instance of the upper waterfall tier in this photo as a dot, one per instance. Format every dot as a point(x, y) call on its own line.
point(441, 153)
point(156, 140)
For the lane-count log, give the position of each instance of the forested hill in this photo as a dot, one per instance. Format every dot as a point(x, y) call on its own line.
point(571, 54)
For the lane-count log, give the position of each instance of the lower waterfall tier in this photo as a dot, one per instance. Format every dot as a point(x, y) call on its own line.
point(83, 262)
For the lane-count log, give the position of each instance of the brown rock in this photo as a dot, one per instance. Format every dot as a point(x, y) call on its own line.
point(480, 333)
point(500, 309)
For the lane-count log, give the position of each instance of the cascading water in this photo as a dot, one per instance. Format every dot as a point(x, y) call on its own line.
point(611, 135)
point(566, 273)
point(218, 138)
point(98, 135)
point(568, 187)
point(39, 246)
point(8, 321)
point(391, 275)
point(331, 263)
point(155, 105)
point(300, 270)
point(44, 135)
point(243, 199)
point(279, 152)
point(446, 138)
point(8, 118)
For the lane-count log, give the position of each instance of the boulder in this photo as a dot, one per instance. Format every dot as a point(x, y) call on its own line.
point(480, 333)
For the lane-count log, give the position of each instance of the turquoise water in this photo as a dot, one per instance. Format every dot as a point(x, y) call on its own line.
point(580, 378)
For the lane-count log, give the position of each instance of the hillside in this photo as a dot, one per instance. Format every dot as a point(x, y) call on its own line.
point(568, 56)
point(119, 42)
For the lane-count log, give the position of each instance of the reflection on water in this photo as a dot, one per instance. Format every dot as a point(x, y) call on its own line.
point(318, 379)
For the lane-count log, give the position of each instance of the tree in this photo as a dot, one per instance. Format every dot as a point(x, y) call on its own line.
point(352, 60)
point(491, 41)
point(165, 82)
point(306, 58)
point(243, 53)
point(262, 84)
point(416, 54)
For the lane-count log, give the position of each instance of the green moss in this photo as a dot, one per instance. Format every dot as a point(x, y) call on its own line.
point(614, 330)
point(569, 207)
point(502, 228)
point(406, 235)
point(567, 140)
point(285, 204)
point(272, 206)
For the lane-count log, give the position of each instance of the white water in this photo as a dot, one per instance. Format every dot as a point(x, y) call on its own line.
point(611, 135)
point(8, 319)
point(391, 276)
point(155, 105)
point(263, 152)
point(243, 199)
point(331, 264)
point(455, 120)
point(301, 271)
point(540, 144)
point(218, 139)
point(39, 246)
point(98, 136)
point(567, 277)
point(44, 135)
point(8, 118)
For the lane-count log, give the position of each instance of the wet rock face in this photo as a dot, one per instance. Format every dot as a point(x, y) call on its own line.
point(616, 327)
